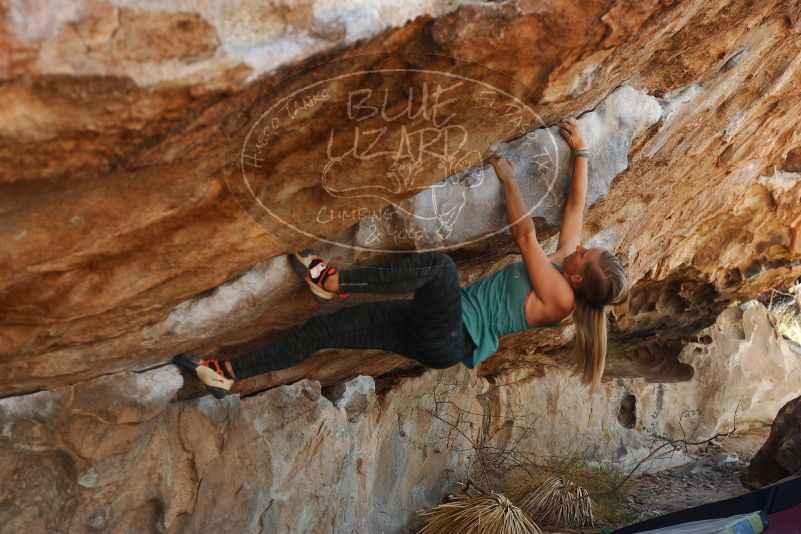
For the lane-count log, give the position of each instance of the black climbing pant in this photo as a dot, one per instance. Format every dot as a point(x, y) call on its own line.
point(427, 328)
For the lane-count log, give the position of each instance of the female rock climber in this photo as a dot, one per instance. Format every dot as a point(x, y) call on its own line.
point(445, 324)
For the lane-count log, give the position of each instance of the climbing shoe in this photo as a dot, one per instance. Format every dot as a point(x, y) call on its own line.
point(211, 372)
point(315, 271)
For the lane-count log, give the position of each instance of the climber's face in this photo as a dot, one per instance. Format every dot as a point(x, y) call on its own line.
point(575, 263)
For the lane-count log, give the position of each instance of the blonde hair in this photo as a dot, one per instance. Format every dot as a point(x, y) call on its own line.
point(603, 283)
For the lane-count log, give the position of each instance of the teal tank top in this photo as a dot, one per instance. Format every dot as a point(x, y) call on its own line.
point(495, 306)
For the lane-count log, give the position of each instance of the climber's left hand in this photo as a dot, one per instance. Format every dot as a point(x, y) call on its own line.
point(503, 168)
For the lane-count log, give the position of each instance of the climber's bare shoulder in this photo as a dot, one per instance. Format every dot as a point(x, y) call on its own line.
point(539, 313)
point(552, 298)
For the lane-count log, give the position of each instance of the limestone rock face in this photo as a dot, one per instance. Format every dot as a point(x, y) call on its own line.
point(609, 129)
point(122, 452)
point(129, 232)
point(122, 244)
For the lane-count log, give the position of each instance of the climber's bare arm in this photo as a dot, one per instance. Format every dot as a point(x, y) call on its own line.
point(553, 292)
point(570, 234)
point(553, 297)
point(520, 223)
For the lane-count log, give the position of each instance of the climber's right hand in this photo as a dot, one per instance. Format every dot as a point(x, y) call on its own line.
point(572, 134)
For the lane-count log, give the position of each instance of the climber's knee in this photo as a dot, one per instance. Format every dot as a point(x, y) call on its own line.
point(443, 261)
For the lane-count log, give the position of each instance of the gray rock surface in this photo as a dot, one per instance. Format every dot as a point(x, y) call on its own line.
point(468, 207)
point(123, 453)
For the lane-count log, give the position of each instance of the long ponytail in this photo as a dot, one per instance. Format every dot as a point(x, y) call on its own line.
point(603, 283)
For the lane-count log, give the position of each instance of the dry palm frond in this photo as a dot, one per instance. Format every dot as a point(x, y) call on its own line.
point(488, 513)
point(787, 320)
point(560, 503)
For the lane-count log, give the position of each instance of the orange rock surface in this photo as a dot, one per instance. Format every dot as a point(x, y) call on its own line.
point(114, 210)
